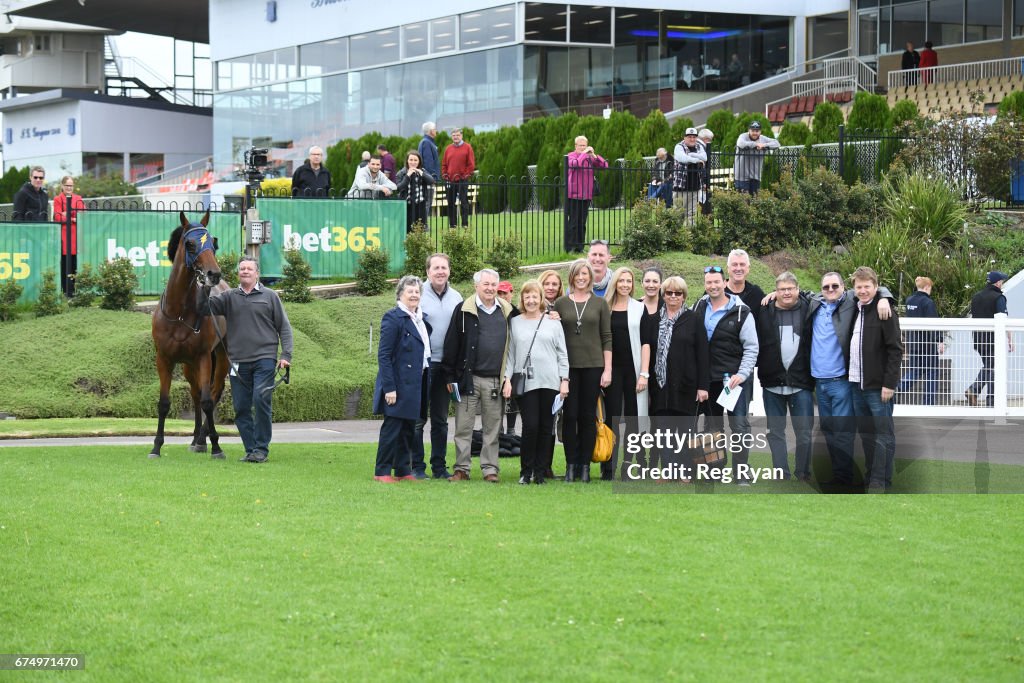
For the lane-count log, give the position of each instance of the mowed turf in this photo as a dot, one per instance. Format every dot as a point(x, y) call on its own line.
point(185, 568)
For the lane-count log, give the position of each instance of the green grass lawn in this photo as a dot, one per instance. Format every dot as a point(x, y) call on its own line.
point(98, 426)
point(304, 568)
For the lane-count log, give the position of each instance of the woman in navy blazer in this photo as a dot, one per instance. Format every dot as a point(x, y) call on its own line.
point(400, 393)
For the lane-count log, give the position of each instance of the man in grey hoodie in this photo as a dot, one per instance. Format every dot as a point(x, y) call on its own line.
point(751, 148)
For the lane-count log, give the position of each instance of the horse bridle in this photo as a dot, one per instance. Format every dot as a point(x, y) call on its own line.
point(199, 279)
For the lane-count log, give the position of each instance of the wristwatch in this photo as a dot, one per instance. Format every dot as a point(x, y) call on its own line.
point(645, 375)
point(565, 379)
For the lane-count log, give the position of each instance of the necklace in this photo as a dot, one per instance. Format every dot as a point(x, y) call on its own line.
point(579, 312)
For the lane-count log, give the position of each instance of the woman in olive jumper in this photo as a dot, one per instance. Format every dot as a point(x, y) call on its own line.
point(586, 321)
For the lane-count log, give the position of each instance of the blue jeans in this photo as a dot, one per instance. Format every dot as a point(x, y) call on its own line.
point(801, 406)
point(662, 192)
point(739, 422)
point(749, 186)
point(874, 422)
point(439, 401)
point(835, 410)
point(252, 404)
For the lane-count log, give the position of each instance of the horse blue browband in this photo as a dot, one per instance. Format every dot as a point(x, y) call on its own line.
point(205, 244)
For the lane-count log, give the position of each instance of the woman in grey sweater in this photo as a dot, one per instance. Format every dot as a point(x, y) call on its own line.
point(536, 348)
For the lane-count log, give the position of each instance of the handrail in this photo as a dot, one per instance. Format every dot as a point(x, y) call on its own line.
point(183, 172)
point(842, 74)
point(964, 71)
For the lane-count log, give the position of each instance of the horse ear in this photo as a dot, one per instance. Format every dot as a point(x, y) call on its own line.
point(206, 218)
point(184, 221)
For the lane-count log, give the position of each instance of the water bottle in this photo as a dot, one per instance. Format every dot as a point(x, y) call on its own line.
point(725, 382)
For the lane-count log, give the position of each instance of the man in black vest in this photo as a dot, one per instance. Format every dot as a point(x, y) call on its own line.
point(923, 346)
point(985, 304)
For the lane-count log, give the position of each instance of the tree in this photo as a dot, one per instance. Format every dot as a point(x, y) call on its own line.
point(549, 174)
point(901, 114)
point(825, 124)
point(11, 182)
point(720, 123)
point(869, 112)
point(740, 125)
point(794, 133)
point(112, 185)
point(613, 144)
point(517, 176)
point(678, 131)
point(652, 133)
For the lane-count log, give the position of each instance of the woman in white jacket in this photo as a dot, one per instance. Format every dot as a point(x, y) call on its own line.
point(627, 395)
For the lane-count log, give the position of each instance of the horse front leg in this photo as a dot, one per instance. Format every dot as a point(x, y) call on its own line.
point(198, 444)
point(164, 368)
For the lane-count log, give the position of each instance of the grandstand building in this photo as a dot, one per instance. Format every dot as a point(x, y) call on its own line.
point(290, 74)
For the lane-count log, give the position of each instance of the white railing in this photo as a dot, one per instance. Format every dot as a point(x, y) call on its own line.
point(993, 68)
point(178, 174)
point(842, 74)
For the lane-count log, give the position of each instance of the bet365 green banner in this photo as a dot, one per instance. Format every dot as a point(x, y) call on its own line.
point(27, 250)
point(332, 233)
point(142, 236)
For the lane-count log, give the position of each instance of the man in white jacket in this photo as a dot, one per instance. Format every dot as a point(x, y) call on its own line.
point(370, 182)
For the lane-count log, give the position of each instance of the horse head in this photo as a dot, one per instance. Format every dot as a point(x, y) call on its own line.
point(200, 249)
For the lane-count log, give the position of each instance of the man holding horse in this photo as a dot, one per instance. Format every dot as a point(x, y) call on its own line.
point(258, 323)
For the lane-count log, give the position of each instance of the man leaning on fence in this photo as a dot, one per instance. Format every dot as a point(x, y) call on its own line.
point(985, 304)
point(31, 204)
point(690, 158)
point(371, 183)
point(751, 148)
point(312, 179)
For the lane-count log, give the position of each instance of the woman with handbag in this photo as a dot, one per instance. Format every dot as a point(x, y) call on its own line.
point(537, 372)
point(627, 395)
point(586, 321)
point(403, 377)
point(680, 361)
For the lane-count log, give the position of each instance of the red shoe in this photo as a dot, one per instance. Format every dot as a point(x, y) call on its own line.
point(408, 477)
point(385, 479)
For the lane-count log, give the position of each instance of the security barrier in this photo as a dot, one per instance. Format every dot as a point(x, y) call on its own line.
point(27, 250)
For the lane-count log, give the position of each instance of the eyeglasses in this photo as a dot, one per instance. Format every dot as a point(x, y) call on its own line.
point(830, 287)
point(713, 269)
point(785, 289)
point(671, 293)
point(37, 177)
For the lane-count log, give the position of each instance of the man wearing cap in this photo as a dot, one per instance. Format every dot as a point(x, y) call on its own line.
point(985, 304)
point(690, 158)
point(750, 152)
point(505, 291)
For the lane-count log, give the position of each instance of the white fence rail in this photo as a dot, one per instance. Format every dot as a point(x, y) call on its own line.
point(993, 68)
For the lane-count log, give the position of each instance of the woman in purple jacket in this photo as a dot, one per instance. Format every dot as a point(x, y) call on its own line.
point(579, 192)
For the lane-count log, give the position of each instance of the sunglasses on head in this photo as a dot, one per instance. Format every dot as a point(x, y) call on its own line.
point(601, 242)
point(713, 269)
point(830, 287)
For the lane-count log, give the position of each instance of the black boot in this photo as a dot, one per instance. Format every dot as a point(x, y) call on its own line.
point(584, 473)
point(570, 473)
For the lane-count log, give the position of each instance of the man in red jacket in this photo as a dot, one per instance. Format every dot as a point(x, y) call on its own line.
point(457, 166)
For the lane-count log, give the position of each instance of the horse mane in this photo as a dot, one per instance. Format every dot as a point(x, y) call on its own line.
point(172, 244)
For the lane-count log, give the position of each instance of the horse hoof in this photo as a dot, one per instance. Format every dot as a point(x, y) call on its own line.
point(153, 456)
point(219, 455)
point(197, 448)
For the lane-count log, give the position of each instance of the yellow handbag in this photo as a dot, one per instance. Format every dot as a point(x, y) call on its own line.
point(605, 443)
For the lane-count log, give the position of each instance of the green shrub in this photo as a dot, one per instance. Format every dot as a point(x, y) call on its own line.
point(294, 286)
point(794, 133)
point(823, 202)
point(10, 182)
point(1012, 104)
point(741, 124)
point(228, 263)
point(870, 112)
point(418, 246)
point(517, 176)
point(706, 236)
point(549, 176)
point(86, 287)
point(10, 290)
point(677, 132)
point(117, 284)
point(504, 256)
point(901, 114)
point(49, 301)
point(462, 249)
point(825, 124)
point(677, 227)
point(613, 144)
point(720, 123)
point(927, 207)
point(644, 234)
point(372, 271)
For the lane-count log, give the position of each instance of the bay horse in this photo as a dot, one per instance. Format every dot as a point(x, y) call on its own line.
point(184, 332)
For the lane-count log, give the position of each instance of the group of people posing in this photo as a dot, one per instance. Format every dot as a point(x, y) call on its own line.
point(634, 338)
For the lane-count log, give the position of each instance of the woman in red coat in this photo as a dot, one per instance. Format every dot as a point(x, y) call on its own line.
point(66, 206)
point(929, 57)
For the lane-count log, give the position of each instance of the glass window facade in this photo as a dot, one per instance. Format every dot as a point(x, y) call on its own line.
point(484, 28)
point(946, 22)
point(984, 20)
point(590, 24)
point(888, 28)
point(442, 35)
point(324, 57)
point(1018, 18)
point(546, 22)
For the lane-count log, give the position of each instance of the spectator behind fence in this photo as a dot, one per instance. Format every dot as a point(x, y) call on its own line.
point(415, 186)
point(31, 203)
point(580, 184)
point(428, 150)
point(371, 183)
point(985, 304)
point(536, 348)
point(364, 159)
point(705, 136)
point(387, 162)
point(751, 148)
point(690, 158)
point(929, 58)
point(66, 206)
point(910, 60)
point(661, 177)
point(312, 179)
point(457, 168)
point(923, 346)
point(403, 377)
point(875, 351)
